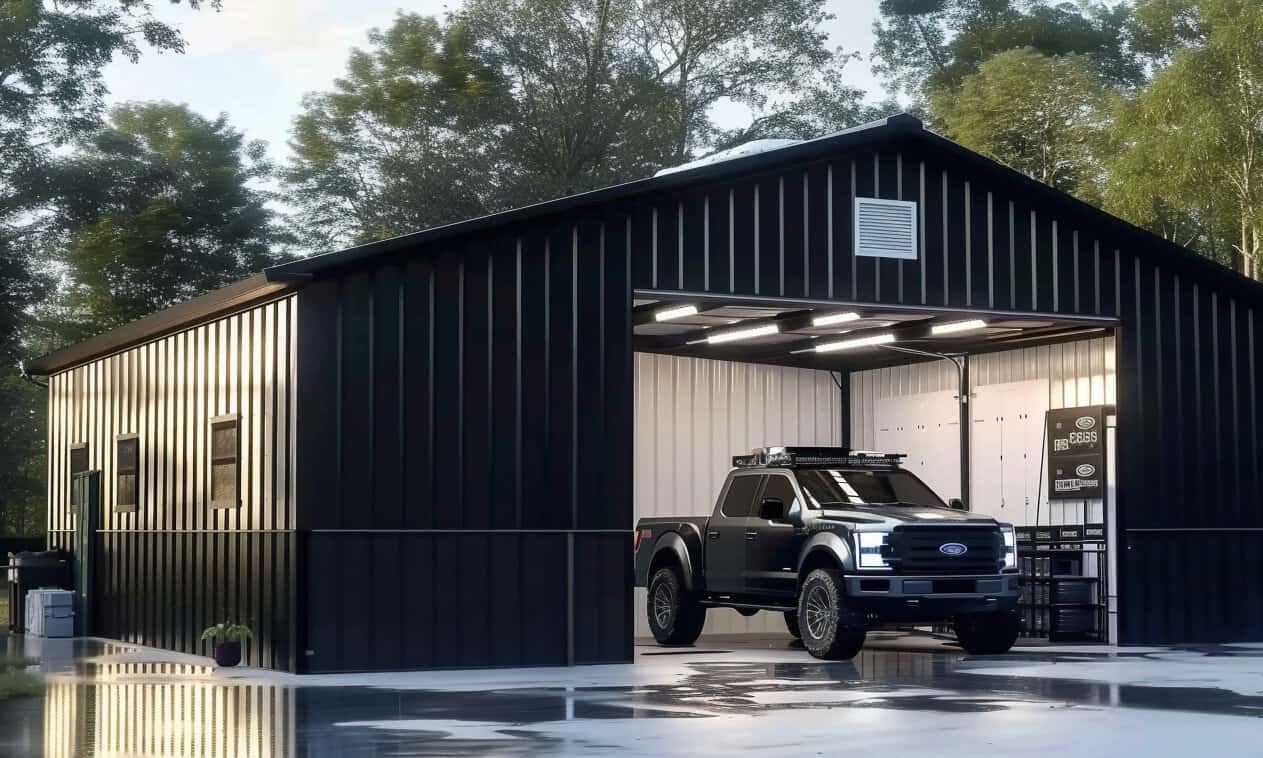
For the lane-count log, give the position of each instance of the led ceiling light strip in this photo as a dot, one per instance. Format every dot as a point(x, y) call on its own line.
point(682, 311)
point(876, 339)
point(835, 318)
point(958, 326)
point(743, 334)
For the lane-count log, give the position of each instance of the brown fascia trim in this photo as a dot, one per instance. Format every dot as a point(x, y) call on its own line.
point(234, 297)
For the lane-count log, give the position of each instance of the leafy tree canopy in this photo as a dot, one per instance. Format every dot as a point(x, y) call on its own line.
point(923, 46)
point(158, 207)
point(1043, 115)
point(507, 103)
point(1190, 155)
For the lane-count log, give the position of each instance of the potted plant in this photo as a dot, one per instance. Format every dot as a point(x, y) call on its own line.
point(227, 639)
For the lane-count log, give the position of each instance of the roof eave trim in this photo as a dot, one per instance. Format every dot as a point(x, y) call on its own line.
point(228, 299)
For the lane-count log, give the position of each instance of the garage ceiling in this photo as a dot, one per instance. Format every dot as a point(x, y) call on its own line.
point(836, 335)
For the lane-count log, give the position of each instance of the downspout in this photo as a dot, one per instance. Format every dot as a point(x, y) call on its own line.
point(961, 364)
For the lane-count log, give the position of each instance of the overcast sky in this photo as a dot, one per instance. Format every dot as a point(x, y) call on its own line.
point(255, 59)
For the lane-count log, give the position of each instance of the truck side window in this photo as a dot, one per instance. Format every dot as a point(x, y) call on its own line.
point(780, 488)
point(740, 498)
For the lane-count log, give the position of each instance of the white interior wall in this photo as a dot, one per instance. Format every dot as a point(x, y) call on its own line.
point(693, 415)
point(912, 409)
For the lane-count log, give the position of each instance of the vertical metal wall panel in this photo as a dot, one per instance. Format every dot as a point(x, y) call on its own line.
point(175, 565)
point(693, 415)
point(460, 437)
point(1068, 374)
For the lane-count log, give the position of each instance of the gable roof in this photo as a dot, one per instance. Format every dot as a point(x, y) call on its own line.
point(901, 127)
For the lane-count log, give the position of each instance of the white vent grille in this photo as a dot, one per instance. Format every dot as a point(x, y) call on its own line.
point(885, 228)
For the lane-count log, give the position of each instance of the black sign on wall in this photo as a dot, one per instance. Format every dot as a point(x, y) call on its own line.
point(1076, 452)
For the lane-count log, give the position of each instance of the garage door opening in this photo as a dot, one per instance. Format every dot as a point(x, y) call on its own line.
point(719, 376)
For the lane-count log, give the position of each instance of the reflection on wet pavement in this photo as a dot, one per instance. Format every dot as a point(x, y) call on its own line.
point(100, 700)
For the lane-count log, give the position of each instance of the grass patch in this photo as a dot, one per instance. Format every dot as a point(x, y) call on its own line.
point(15, 682)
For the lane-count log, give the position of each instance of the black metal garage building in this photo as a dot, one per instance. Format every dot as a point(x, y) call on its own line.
point(435, 432)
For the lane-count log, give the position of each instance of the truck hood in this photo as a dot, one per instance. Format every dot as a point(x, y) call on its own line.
point(894, 515)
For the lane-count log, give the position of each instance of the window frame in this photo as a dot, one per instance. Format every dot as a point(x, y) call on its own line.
point(70, 463)
point(757, 478)
point(216, 424)
point(120, 472)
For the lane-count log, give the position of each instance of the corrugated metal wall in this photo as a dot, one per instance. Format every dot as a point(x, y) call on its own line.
point(1190, 472)
point(175, 565)
point(465, 455)
point(1069, 374)
point(693, 415)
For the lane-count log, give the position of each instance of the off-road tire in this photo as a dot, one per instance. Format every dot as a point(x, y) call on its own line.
point(675, 616)
point(830, 629)
point(987, 633)
point(791, 623)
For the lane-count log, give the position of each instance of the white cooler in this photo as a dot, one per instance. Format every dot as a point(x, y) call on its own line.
point(50, 613)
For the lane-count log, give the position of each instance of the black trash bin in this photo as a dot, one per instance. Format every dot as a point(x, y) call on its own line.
point(33, 570)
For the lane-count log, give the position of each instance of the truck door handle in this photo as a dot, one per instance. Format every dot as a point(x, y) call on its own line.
point(751, 536)
point(713, 535)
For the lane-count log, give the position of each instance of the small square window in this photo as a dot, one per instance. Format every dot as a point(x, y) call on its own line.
point(225, 444)
point(78, 457)
point(127, 469)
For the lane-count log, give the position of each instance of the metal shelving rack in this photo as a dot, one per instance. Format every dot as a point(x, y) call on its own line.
point(1062, 601)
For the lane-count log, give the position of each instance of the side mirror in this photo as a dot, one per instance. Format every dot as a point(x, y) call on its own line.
point(772, 509)
point(957, 504)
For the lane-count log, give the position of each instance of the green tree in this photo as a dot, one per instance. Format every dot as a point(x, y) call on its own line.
point(51, 92)
point(1045, 116)
point(1189, 162)
point(550, 97)
point(160, 206)
point(929, 46)
point(406, 140)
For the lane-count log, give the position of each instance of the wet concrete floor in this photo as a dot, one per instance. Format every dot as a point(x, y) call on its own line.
point(104, 699)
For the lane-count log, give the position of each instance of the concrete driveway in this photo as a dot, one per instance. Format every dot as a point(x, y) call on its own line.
point(906, 696)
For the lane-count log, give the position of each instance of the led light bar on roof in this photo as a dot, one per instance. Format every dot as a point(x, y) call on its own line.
point(814, 456)
point(876, 339)
point(681, 311)
point(743, 334)
point(958, 326)
point(835, 318)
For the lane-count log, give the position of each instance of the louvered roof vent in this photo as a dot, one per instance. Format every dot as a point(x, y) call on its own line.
point(885, 228)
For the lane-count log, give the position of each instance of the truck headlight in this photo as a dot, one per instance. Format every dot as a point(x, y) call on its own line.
point(869, 546)
point(1010, 546)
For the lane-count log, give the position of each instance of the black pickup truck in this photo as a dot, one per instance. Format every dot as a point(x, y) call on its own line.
point(839, 541)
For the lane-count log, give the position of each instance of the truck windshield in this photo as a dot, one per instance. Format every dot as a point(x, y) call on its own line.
point(825, 487)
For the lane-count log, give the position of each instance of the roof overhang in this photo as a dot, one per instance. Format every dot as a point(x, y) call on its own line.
point(234, 297)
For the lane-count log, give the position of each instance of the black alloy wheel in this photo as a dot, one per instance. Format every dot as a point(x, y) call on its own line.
point(830, 630)
point(675, 617)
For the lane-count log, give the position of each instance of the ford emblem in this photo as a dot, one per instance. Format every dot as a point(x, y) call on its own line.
point(1085, 422)
point(1085, 469)
point(953, 549)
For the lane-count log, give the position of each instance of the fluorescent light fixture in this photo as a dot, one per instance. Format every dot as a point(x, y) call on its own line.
point(667, 314)
point(958, 326)
point(835, 318)
point(876, 339)
point(743, 334)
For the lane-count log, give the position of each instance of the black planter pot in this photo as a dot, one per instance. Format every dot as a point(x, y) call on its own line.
point(228, 654)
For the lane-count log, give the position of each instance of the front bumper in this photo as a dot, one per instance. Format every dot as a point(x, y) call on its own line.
point(932, 598)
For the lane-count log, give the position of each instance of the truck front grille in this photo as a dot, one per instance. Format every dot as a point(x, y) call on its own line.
point(915, 549)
